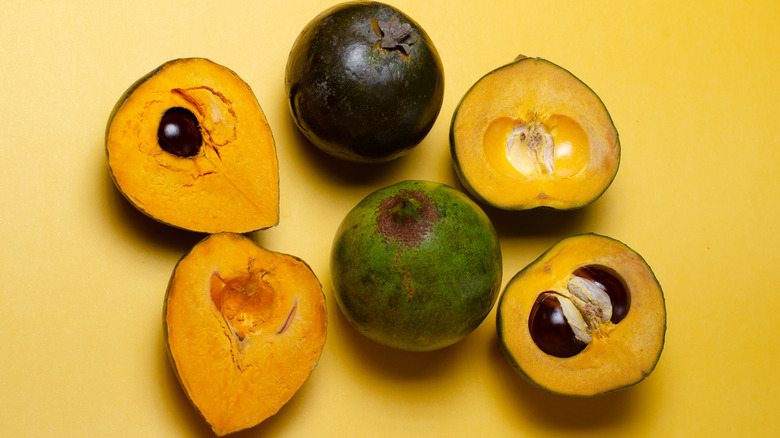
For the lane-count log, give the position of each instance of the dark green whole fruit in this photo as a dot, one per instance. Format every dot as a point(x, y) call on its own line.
point(364, 81)
point(416, 266)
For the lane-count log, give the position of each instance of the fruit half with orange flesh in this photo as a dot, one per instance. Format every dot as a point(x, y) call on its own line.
point(586, 318)
point(245, 327)
point(189, 146)
point(530, 134)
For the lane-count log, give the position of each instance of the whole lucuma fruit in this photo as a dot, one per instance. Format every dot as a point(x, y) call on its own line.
point(416, 266)
point(364, 82)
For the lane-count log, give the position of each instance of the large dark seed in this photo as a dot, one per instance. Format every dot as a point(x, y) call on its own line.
point(550, 330)
point(611, 283)
point(179, 132)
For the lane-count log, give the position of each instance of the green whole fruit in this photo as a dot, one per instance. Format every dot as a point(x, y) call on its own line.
point(364, 82)
point(416, 266)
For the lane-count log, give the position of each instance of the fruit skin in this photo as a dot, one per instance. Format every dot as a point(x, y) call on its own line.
point(352, 98)
point(416, 266)
point(636, 342)
point(504, 188)
point(231, 185)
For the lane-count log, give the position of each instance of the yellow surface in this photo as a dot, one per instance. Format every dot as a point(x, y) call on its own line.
point(694, 92)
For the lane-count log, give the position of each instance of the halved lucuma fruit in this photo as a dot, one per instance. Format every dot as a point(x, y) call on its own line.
point(244, 326)
point(530, 134)
point(189, 146)
point(586, 318)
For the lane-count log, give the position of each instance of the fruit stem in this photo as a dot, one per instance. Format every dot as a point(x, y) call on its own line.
point(406, 211)
point(394, 35)
point(406, 217)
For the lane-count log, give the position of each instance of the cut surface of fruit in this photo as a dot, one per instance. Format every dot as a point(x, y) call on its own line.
point(530, 134)
point(586, 318)
point(245, 327)
point(189, 146)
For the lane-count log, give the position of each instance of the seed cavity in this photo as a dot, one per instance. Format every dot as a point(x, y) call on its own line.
point(179, 132)
point(610, 282)
point(564, 322)
point(552, 330)
point(531, 149)
point(245, 302)
point(593, 300)
point(573, 316)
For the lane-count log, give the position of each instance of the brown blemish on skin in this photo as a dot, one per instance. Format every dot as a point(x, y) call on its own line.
point(408, 283)
point(406, 218)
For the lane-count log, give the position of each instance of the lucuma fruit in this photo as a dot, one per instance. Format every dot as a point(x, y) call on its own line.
point(586, 318)
point(189, 146)
point(416, 266)
point(530, 134)
point(364, 82)
point(244, 328)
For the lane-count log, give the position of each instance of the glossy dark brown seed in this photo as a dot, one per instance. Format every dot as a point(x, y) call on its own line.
point(179, 132)
point(549, 328)
point(610, 282)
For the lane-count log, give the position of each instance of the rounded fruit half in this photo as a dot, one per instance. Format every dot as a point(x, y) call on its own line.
point(364, 82)
point(189, 146)
point(586, 318)
point(530, 134)
point(244, 327)
point(416, 266)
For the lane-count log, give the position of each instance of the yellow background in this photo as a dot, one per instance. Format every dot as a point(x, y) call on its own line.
point(693, 90)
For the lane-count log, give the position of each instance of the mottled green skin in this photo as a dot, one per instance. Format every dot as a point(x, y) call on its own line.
point(352, 98)
point(421, 294)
